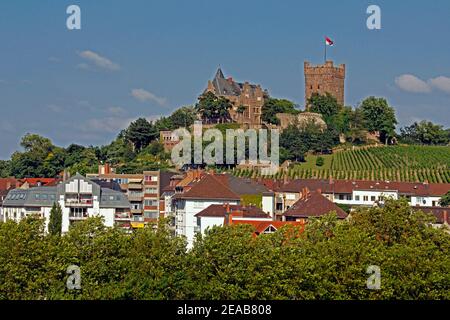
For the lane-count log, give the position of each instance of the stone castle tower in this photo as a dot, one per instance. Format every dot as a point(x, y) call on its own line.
point(324, 78)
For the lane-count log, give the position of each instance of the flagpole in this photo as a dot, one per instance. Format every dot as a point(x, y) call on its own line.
point(325, 54)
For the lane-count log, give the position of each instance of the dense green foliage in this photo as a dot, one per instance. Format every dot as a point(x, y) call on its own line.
point(379, 116)
point(213, 109)
point(425, 132)
point(296, 141)
point(326, 105)
point(327, 261)
point(273, 106)
point(445, 200)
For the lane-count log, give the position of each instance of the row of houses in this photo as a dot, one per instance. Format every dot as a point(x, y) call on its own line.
point(203, 200)
point(197, 200)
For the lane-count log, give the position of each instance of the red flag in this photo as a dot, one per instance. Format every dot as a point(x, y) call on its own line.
point(329, 42)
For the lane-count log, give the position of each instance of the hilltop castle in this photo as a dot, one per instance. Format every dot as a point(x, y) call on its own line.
point(324, 78)
point(249, 96)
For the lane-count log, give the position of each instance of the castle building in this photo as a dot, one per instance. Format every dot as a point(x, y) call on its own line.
point(324, 78)
point(249, 96)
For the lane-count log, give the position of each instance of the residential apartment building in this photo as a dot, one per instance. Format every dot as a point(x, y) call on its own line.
point(79, 198)
point(143, 191)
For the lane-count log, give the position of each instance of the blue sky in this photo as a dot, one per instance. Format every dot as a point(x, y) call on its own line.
point(146, 58)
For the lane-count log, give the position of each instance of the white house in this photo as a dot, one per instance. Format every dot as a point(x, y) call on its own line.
point(79, 199)
point(208, 190)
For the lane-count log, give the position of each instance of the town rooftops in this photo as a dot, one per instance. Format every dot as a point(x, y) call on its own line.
point(348, 186)
point(313, 204)
point(268, 226)
point(46, 196)
point(441, 214)
point(218, 210)
point(209, 186)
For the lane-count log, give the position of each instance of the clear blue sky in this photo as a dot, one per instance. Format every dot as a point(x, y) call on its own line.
point(77, 86)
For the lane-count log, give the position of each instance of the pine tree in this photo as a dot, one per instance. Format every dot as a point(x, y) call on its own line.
point(55, 224)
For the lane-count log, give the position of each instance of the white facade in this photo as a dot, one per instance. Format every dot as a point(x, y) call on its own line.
point(268, 204)
point(78, 198)
point(185, 221)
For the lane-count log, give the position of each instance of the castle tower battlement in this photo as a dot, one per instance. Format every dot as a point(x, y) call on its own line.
point(325, 78)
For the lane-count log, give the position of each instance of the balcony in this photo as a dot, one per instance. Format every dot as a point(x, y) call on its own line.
point(78, 216)
point(136, 211)
point(124, 216)
point(83, 203)
point(135, 196)
point(135, 186)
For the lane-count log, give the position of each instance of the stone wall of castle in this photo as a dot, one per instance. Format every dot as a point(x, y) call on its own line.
point(324, 78)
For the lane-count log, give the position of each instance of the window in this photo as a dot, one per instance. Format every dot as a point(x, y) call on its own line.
point(136, 206)
point(365, 198)
point(357, 198)
point(349, 197)
point(150, 203)
point(341, 197)
point(44, 196)
point(151, 190)
point(269, 230)
point(372, 198)
point(151, 214)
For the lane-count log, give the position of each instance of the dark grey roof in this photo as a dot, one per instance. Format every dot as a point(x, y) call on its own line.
point(34, 197)
point(46, 196)
point(113, 199)
point(243, 186)
point(225, 87)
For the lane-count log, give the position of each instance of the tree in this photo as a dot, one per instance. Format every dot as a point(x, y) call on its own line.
point(424, 132)
point(445, 200)
point(140, 133)
point(213, 109)
point(326, 105)
point(183, 117)
point(5, 168)
point(55, 223)
point(320, 161)
point(273, 106)
point(379, 116)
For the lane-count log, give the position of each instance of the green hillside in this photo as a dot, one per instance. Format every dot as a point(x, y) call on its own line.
point(394, 163)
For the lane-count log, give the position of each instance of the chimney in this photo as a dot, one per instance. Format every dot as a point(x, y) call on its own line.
point(445, 217)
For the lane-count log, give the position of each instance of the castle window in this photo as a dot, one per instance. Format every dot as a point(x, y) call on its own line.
point(311, 87)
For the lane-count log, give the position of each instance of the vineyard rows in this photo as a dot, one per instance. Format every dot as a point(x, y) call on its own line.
point(399, 163)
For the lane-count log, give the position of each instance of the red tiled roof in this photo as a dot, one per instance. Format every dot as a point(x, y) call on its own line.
point(218, 210)
point(314, 204)
point(8, 183)
point(42, 181)
point(347, 186)
point(209, 187)
point(441, 214)
point(261, 226)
